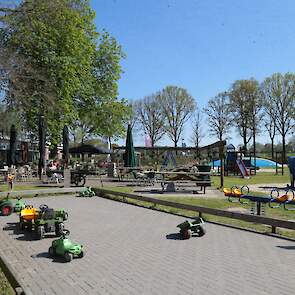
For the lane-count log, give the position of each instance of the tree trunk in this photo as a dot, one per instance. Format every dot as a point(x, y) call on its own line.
point(272, 148)
point(109, 157)
point(244, 131)
point(254, 147)
point(284, 148)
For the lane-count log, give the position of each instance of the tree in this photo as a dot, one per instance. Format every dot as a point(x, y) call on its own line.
point(255, 107)
point(150, 117)
point(243, 105)
point(270, 126)
point(177, 106)
point(197, 128)
point(278, 92)
point(9, 117)
point(100, 111)
point(218, 113)
point(52, 64)
point(47, 48)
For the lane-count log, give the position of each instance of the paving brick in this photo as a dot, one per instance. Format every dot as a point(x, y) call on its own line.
point(127, 252)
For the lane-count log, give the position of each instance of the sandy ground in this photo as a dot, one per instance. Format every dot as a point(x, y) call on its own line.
point(267, 187)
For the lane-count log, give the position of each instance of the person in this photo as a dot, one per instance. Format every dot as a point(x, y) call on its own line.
point(10, 178)
point(53, 168)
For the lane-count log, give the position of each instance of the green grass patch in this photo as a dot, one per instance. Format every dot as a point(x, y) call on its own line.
point(259, 178)
point(4, 187)
point(5, 287)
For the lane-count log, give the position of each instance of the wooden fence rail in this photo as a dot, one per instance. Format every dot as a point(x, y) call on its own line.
point(235, 215)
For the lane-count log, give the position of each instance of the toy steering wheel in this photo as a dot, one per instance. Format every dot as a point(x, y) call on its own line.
point(65, 232)
point(43, 207)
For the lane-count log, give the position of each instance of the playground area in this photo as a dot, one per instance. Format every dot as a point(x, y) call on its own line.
point(142, 255)
point(148, 233)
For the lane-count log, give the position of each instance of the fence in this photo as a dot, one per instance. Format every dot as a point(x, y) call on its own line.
point(274, 223)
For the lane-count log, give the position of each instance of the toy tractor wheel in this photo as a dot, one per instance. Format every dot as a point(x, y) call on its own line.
point(68, 257)
point(186, 234)
point(66, 216)
point(59, 229)
point(51, 251)
point(81, 255)
point(21, 225)
point(40, 232)
point(201, 231)
point(6, 210)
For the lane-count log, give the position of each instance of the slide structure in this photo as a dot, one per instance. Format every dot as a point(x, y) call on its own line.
point(242, 168)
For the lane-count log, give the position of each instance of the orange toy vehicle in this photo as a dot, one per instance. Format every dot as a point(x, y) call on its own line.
point(28, 216)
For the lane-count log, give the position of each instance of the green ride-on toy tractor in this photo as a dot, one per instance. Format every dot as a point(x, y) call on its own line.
point(187, 228)
point(6, 206)
point(65, 248)
point(88, 193)
point(49, 220)
point(19, 205)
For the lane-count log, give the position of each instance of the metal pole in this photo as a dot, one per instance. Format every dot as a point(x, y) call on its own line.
point(221, 157)
point(258, 208)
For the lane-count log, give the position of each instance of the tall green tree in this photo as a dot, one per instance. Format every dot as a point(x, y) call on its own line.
point(244, 107)
point(278, 92)
point(177, 106)
point(46, 53)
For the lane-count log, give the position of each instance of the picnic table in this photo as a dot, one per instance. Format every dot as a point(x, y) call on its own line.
point(172, 179)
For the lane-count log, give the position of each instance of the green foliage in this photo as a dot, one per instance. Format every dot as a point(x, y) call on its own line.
point(9, 117)
point(53, 64)
point(279, 103)
point(244, 95)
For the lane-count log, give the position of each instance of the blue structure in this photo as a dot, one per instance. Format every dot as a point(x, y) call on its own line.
point(291, 164)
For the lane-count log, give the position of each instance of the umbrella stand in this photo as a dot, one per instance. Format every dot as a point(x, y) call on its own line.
point(65, 141)
point(42, 141)
point(12, 147)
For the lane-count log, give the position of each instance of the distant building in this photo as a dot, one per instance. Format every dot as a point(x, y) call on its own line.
point(26, 152)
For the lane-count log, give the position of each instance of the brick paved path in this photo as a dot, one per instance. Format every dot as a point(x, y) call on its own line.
point(128, 253)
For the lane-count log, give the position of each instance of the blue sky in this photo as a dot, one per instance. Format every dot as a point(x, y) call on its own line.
point(201, 45)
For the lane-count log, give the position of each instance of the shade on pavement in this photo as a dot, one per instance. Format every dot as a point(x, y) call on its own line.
point(129, 156)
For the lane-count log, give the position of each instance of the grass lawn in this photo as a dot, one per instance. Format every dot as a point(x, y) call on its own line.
point(4, 187)
point(259, 178)
point(5, 288)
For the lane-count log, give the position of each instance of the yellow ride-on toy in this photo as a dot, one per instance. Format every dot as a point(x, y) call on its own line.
point(27, 217)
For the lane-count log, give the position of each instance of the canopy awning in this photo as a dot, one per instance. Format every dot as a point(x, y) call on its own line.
point(89, 149)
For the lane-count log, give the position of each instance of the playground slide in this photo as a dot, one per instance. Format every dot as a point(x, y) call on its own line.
point(242, 167)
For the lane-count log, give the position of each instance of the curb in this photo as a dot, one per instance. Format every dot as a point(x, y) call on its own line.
point(11, 276)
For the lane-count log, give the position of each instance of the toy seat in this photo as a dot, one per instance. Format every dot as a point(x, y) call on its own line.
point(48, 214)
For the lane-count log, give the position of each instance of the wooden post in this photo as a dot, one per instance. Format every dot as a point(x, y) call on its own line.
point(221, 158)
point(258, 208)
